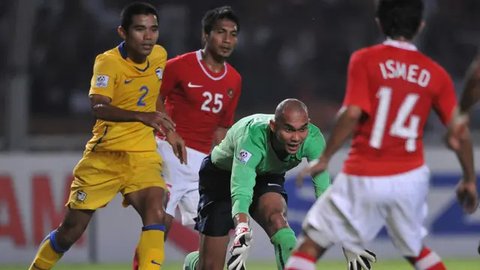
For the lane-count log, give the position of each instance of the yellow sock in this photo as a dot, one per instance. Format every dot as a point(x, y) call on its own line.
point(151, 252)
point(46, 257)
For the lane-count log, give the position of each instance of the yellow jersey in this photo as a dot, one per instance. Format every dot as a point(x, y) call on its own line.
point(131, 86)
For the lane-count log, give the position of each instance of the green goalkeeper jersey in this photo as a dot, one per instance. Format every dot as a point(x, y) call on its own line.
point(247, 151)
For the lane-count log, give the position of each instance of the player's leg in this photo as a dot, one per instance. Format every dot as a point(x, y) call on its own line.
point(270, 213)
point(406, 216)
point(61, 239)
point(214, 218)
point(144, 189)
point(94, 185)
point(305, 254)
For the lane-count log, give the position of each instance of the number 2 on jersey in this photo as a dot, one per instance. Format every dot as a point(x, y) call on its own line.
point(215, 99)
point(398, 128)
point(141, 101)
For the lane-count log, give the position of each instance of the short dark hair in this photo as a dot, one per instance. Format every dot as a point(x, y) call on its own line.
point(400, 18)
point(213, 15)
point(136, 8)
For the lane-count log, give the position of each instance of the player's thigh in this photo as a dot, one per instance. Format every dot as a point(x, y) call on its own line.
point(98, 177)
point(408, 211)
point(188, 206)
point(215, 205)
point(145, 171)
point(213, 250)
point(271, 212)
point(269, 205)
point(148, 202)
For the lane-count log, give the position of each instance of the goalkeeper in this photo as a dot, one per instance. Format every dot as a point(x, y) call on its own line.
point(244, 177)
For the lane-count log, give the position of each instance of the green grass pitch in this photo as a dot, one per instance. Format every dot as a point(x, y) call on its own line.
point(455, 264)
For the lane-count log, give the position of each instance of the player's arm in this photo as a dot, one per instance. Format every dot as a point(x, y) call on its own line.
point(471, 92)
point(102, 109)
point(343, 128)
point(218, 135)
point(467, 186)
point(470, 96)
point(314, 147)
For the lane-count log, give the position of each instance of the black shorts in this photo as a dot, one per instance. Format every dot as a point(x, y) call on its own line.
point(215, 205)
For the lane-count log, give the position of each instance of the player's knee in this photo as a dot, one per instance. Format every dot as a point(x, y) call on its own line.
point(277, 220)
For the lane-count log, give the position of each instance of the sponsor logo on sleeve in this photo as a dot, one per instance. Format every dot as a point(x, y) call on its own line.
point(244, 156)
point(101, 81)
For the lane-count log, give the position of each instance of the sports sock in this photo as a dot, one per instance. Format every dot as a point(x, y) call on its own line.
point(428, 260)
point(284, 241)
point(191, 260)
point(48, 253)
point(300, 261)
point(150, 248)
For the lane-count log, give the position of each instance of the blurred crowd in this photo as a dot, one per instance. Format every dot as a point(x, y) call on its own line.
point(288, 48)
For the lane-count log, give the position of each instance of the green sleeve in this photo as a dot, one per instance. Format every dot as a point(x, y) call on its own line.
point(246, 158)
point(321, 182)
point(314, 147)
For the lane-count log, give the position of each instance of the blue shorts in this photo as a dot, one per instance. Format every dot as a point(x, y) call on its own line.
point(215, 205)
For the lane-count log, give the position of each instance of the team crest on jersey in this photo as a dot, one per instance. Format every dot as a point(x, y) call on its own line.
point(230, 92)
point(244, 156)
point(81, 196)
point(101, 81)
point(159, 73)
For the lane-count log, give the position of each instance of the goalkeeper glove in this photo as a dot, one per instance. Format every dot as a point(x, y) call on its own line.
point(240, 247)
point(362, 260)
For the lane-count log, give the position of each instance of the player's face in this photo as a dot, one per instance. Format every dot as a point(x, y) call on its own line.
point(221, 41)
point(291, 132)
point(141, 36)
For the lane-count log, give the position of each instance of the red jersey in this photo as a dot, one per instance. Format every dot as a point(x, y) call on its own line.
point(396, 86)
point(198, 100)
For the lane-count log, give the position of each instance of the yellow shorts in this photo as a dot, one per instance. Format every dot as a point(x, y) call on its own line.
point(99, 176)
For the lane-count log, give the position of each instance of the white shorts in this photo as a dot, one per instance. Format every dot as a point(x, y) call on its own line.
point(182, 181)
point(355, 208)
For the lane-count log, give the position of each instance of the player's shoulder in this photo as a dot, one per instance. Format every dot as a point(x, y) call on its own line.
point(158, 54)
point(314, 131)
point(109, 59)
point(186, 58)
point(233, 71)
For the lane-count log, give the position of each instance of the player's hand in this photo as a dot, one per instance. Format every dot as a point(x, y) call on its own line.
point(457, 131)
point(160, 121)
point(178, 145)
point(240, 247)
point(467, 195)
point(359, 261)
point(313, 168)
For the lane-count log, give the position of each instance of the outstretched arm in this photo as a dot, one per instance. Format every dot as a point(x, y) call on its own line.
point(346, 122)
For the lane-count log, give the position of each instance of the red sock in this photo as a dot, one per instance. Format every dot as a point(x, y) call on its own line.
point(428, 260)
point(300, 261)
point(135, 261)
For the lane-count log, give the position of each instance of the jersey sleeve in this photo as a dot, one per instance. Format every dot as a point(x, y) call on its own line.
point(314, 146)
point(445, 101)
point(170, 77)
point(247, 156)
point(228, 116)
point(104, 76)
point(357, 92)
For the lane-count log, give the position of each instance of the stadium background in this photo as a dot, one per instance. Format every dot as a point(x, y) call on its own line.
point(288, 48)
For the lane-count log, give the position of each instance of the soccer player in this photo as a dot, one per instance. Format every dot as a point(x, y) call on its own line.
point(244, 175)
point(121, 156)
point(201, 92)
point(391, 89)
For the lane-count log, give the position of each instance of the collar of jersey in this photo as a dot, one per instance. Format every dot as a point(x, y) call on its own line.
point(123, 53)
point(400, 44)
point(199, 60)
